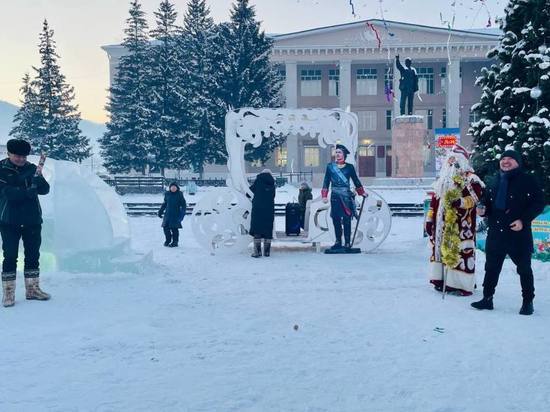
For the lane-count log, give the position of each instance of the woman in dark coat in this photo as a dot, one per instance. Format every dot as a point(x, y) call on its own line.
point(263, 212)
point(173, 208)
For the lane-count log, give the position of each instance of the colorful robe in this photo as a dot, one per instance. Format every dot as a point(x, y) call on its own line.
point(461, 278)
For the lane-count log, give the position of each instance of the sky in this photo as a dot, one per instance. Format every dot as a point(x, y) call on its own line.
point(82, 26)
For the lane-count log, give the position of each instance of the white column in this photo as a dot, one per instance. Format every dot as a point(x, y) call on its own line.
point(345, 84)
point(454, 87)
point(396, 91)
point(291, 85)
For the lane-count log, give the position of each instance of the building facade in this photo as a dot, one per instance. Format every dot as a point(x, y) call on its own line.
point(346, 66)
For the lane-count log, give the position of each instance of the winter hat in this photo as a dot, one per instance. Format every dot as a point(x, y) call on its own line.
point(513, 154)
point(174, 184)
point(19, 147)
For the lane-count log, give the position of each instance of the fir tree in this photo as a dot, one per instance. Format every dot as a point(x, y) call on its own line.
point(205, 112)
point(247, 76)
point(126, 144)
point(515, 101)
point(166, 117)
point(29, 118)
point(48, 118)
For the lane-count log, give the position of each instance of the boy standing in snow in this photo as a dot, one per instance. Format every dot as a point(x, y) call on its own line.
point(21, 218)
point(513, 199)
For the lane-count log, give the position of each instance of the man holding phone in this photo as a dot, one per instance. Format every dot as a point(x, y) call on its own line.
point(511, 202)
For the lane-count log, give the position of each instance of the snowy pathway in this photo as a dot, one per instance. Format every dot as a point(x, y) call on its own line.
point(213, 333)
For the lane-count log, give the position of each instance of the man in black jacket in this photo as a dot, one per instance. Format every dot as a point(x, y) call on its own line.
point(21, 218)
point(511, 202)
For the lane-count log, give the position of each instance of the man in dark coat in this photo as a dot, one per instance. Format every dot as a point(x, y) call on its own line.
point(408, 84)
point(172, 213)
point(512, 200)
point(21, 218)
point(263, 212)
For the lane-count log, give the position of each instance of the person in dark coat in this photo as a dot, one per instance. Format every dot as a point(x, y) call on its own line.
point(408, 85)
point(303, 197)
point(263, 212)
point(21, 218)
point(512, 200)
point(342, 201)
point(172, 213)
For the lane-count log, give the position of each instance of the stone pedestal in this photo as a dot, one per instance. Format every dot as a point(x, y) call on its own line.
point(408, 133)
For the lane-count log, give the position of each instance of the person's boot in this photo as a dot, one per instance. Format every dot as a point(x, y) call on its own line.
point(337, 245)
point(175, 239)
point(526, 307)
point(166, 243)
point(257, 248)
point(32, 285)
point(267, 247)
point(485, 303)
point(8, 298)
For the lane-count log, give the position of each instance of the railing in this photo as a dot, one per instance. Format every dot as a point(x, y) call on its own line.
point(152, 208)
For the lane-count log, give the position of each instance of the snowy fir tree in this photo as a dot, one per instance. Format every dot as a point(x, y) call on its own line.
point(205, 112)
point(515, 102)
point(126, 145)
point(165, 107)
point(247, 76)
point(29, 118)
point(48, 117)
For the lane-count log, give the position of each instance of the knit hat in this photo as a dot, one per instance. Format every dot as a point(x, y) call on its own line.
point(19, 147)
point(174, 184)
point(513, 154)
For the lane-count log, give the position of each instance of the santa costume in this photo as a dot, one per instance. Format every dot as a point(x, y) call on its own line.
point(451, 224)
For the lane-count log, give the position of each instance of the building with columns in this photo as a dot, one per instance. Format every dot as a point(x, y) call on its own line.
point(346, 66)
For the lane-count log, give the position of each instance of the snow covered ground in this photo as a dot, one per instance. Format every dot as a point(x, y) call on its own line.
point(214, 333)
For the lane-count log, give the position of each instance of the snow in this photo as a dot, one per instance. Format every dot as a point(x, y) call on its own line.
point(215, 333)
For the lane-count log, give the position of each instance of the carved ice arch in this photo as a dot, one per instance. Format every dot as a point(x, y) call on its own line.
point(221, 219)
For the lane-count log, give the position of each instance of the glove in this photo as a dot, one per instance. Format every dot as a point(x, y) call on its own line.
point(429, 228)
point(361, 191)
point(159, 214)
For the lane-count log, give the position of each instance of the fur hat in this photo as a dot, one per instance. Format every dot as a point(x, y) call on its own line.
point(19, 147)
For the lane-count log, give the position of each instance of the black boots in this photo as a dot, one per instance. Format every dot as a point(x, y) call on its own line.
point(267, 247)
point(337, 245)
point(257, 248)
point(526, 307)
point(485, 303)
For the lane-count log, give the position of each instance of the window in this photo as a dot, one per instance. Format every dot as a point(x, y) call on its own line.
point(388, 119)
point(311, 156)
point(367, 120)
point(311, 83)
point(474, 117)
point(425, 80)
point(334, 82)
point(444, 118)
point(388, 79)
point(428, 116)
point(443, 77)
point(281, 156)
point(366, 151)
point(367, 82)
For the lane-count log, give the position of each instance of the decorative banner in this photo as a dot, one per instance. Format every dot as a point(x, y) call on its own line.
point(445, 139)
point(376, 33)
point(352, 7)
point(541, 236)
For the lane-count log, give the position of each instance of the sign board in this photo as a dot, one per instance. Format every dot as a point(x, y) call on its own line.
point(445, 139)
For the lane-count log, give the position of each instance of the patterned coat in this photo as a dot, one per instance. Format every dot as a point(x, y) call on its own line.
point(461, 277)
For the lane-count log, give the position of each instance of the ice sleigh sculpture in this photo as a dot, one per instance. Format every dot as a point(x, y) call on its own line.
point(85, 225)
point(221, 219)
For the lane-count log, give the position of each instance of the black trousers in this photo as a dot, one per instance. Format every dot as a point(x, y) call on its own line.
point(493, 267)
point(338, 222)
point(406, 99)
point(172, 235)
point(32, 239)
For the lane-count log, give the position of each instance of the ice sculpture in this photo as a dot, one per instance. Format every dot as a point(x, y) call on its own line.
point(221, 220)
point(85, 225)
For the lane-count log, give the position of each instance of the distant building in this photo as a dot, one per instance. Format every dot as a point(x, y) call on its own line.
point(343, 66)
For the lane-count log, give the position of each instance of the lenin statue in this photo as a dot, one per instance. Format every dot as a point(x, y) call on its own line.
point(408, 84)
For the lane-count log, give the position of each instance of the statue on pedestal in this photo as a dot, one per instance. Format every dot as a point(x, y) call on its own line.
point(408, 84)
